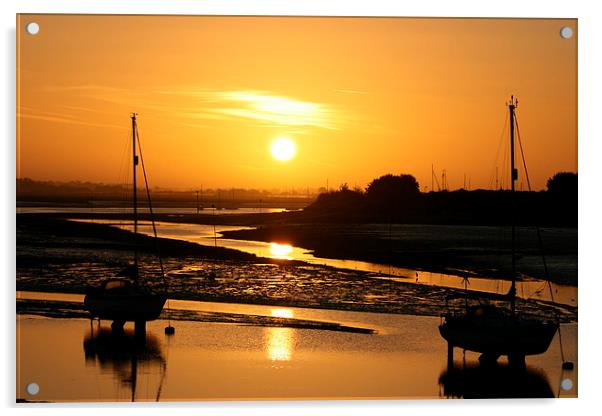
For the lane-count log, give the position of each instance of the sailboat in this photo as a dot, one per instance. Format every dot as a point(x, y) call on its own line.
point(123, 298)
point(492, 330)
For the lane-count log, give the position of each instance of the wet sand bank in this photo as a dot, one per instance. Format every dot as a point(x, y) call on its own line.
point(478, 250)
point(61, 256)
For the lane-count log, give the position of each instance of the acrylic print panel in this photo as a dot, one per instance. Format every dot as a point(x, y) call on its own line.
point(219, 208)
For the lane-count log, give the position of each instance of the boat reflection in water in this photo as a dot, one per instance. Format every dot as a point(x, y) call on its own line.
point(497, 381)
point(126, 355)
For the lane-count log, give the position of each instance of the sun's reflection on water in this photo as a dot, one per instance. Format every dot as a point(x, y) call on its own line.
point(279, 343)
point(282, 313)
point(281, 251)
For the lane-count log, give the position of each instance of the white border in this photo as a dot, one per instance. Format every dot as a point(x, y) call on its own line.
point(590, 136)
point(460, 8)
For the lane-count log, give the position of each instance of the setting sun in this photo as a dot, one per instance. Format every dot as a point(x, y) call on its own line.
point(283, 149)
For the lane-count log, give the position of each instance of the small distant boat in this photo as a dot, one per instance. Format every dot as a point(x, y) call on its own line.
point(123, 298)
point(494, 331)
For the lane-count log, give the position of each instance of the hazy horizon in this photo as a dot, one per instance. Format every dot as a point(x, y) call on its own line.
point(298, 189)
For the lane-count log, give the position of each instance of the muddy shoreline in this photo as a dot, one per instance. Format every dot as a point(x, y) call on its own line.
point(477, 251)
point(75, 310)
point(55, 255)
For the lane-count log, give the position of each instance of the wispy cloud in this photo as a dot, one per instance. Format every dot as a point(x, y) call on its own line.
point(186, 105)
point(65, 120)
point(350, 91)
point(273, 109)
point(264, 107)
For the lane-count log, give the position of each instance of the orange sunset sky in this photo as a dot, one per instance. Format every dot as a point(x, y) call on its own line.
point(359, 97)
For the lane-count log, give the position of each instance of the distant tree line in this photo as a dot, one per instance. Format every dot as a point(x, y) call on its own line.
point(79, 191)
point(397, 199)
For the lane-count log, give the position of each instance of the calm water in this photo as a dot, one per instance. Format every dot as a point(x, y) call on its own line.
point(210, 235)
point(72, 360)
point(143, 210)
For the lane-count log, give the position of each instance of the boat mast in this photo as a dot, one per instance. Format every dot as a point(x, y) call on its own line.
point(135, 196)
point(513, 177)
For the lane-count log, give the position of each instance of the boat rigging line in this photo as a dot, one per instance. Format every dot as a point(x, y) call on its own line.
point(565, 364)
point(169, 330)
point(494, 171)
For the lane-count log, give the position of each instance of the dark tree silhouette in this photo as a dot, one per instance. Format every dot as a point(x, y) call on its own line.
point(563, 184)
point(563, 196)
point(397, 199)
point(393, 195)
point(342, 200)
point(393, 188)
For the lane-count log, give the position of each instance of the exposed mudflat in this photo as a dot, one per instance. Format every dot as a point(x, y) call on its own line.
point(62, 257)
point(65, 309)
